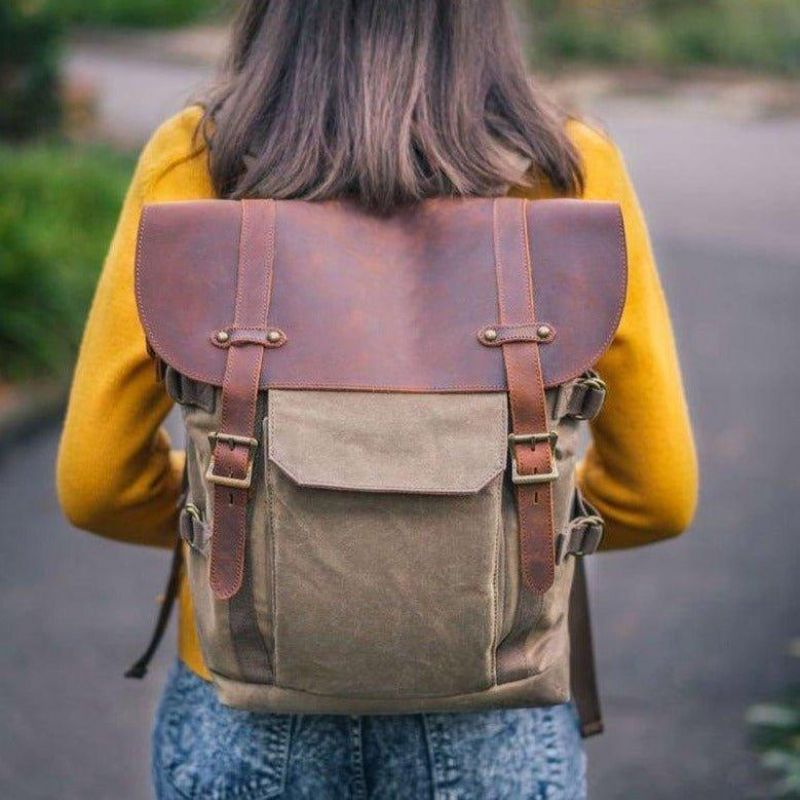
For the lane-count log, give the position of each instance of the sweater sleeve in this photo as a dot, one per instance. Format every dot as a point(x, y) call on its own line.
point(640, 469)
point(115, 474)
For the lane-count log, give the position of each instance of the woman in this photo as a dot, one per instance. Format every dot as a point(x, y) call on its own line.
point(388, 103)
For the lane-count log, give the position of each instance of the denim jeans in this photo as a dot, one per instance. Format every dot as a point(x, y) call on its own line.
point(202, 749)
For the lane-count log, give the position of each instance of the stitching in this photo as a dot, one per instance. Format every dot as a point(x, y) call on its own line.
point(522, 332)
point(142, 254)
point(273, 549)
point(544, 493)
point(498, 528)
point(239, 271)
point(497, 262)
point(546, 490)
point(379, 488)
point(621, 267)
point(526, 248)
point(275, 688)
point(279, 458)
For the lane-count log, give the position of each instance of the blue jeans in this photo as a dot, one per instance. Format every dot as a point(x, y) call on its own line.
point(202, 749)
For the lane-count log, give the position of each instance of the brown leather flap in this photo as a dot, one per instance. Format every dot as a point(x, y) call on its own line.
point(388, 304)
point(380, 442)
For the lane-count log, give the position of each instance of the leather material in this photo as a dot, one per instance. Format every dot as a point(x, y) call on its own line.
point(260, 295)
point(496, 336)
point(516, 277)
point(388, 304)
point(583, 673)
point(233, 460)
point(270, 338)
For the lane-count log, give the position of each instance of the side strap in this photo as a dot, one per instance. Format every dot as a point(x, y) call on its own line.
point(531, 443)
point(583, 676)
point(234, 444)
point(139, 669)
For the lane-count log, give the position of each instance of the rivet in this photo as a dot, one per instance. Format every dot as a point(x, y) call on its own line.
point(544, 331)
point(490, 334)
point(274, 336)
point(222, 336)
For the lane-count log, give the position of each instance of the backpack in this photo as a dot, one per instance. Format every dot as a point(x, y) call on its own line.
point(383, 416)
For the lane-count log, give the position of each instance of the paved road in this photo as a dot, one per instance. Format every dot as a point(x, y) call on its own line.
point(689, 633)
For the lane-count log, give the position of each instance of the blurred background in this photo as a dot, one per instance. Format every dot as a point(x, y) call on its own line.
point(698, 639)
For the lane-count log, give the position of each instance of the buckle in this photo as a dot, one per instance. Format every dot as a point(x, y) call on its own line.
point(189, 522)
point(233, 441)
point(589, 532)
point(514, 439)
point(593, 394)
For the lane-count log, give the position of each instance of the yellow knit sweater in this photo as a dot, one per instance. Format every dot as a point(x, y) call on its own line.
point(117, 476)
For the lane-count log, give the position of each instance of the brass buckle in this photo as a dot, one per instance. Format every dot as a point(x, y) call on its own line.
point(591, 531)
point(231, 439)
point(532, 438)
point(588, 383)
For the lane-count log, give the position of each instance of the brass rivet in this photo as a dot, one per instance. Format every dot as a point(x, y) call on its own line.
point(222, 336)
point(544, 331)
point(274, 336)
point(490, 334)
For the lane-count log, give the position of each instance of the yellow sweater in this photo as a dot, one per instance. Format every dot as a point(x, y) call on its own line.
point(117, 476)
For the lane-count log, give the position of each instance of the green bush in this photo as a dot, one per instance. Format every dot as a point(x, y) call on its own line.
point(776, 735)
point(133, 13)
point(58, 209)
point(29, 51)
point(663, 33)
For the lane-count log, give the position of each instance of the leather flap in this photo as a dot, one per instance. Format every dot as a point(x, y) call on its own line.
point(378, 442)
point(380, 304)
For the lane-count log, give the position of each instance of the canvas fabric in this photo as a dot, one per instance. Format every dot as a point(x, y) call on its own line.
point(380, 572)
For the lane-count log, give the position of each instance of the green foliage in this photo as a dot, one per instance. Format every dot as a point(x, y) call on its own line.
point(133, 13)
point(58, 208)
point(762, 34)
point(29, 49)
point(776, 733)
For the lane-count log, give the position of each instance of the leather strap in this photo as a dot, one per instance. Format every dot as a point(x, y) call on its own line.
point(530, 441)
point(234, 445)
point(498, 335)
point(583, 676)
point(139, 669)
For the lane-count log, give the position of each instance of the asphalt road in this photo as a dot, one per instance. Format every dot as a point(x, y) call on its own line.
point(690, 633)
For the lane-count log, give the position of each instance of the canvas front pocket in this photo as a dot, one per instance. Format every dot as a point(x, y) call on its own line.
point(384, 512)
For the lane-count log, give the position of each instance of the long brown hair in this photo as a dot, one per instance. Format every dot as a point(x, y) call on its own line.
point(385, 102)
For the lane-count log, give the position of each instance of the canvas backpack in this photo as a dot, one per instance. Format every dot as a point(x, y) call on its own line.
point(383, 418)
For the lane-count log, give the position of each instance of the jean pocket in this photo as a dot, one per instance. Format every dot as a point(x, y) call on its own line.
point(530, 754)
point(202, 749)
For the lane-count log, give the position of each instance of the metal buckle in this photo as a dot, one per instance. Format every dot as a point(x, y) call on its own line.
point(190, 514)
point(591, 531)
point(532, 438)
point(589, 383)
point(231, 439)
point(592, 536)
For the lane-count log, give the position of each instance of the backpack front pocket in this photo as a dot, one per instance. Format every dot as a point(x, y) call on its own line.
point(385, 520)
